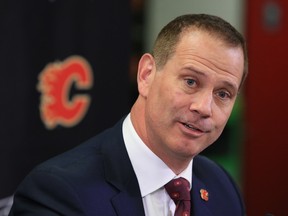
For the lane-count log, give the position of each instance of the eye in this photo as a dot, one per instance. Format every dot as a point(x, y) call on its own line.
point(190, 82)
point(224, 94)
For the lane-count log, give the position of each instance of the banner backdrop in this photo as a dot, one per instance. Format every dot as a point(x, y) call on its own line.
point(64, 78)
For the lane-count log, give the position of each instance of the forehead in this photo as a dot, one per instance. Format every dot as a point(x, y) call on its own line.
point(210, 54)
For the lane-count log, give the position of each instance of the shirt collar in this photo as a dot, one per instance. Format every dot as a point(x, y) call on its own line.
point(152, 173)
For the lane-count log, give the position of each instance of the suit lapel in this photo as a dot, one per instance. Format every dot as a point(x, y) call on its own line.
point(200, 207)
point(127, 203)
point(119, 172)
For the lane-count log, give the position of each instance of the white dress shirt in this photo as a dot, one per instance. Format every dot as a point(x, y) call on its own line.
point(152, 173)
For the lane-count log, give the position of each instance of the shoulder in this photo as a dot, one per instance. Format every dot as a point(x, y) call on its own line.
point(223, 191)
point(208, 170)
point(66, 183)
point(85, 157)
point(202, 164)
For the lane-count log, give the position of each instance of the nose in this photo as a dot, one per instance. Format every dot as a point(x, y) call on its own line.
point(202, 104)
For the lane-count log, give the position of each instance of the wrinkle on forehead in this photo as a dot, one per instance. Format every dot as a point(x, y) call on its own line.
point(214, 64)
point(212, 53)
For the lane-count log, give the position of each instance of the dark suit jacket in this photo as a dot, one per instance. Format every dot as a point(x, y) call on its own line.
point(97, 178)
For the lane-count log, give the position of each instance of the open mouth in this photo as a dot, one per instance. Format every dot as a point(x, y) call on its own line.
point(191, 127)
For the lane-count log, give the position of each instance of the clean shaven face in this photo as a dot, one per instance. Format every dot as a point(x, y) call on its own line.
point(189, 101)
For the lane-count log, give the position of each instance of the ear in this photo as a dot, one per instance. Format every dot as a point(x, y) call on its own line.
point(146, 72)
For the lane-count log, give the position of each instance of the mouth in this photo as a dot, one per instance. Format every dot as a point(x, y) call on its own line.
point(194, 128)
point(191, 127)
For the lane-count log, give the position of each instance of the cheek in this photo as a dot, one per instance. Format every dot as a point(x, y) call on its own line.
point(173, 103)
point(160, 107)
point(165, 100)
point(160, 96)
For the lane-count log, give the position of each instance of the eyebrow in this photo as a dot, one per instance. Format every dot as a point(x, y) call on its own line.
point(195, 70)
point(232, 86)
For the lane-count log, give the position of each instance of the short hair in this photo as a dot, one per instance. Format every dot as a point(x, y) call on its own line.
point(169, 36)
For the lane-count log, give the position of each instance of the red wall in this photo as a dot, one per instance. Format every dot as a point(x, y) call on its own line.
point(266, 149)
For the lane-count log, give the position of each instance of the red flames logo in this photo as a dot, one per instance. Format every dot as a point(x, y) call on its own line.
point(55, 82)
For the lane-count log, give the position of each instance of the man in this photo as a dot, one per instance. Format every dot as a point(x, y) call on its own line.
point(187, 89)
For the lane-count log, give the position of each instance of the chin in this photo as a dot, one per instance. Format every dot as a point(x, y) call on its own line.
point(189, 152)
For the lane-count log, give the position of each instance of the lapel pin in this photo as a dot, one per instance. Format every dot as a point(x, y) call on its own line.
point(204, 194)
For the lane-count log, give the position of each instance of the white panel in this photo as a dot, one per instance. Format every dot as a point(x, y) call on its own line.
point(160, 12)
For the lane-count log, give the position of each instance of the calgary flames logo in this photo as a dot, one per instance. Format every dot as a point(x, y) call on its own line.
point(55, 83)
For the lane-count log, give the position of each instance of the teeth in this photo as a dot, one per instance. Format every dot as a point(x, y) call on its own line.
point(191, 127)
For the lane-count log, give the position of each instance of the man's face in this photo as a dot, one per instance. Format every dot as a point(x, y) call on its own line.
point(189, 101)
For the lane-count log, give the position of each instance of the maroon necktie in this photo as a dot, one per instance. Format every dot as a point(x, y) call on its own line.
point(179, 191)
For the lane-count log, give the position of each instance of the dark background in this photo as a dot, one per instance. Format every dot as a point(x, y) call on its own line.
point(34, 33)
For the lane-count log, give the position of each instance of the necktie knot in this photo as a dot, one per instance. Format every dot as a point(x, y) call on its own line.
point(179, 191)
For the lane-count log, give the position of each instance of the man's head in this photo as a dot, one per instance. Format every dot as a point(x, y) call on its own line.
point(169, 36)
point(188, 87)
